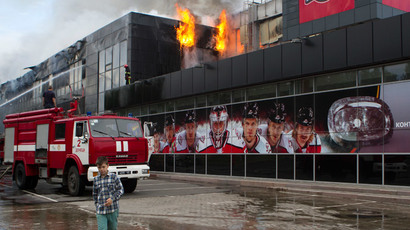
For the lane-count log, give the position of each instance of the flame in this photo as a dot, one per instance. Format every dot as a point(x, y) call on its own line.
point(186, 29)
point(221, 36)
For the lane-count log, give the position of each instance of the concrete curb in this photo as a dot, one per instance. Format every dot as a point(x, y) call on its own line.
point(377, 193)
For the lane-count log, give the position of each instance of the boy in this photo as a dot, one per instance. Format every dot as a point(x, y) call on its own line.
point(107, 190)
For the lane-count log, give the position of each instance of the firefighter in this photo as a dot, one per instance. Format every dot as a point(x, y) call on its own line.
point(127, 75)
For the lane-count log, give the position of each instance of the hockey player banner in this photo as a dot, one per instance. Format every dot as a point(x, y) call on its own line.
point(398, 4)
point(314, 9)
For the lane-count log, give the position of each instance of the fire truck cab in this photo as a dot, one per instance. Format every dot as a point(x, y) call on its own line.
point(61, 148)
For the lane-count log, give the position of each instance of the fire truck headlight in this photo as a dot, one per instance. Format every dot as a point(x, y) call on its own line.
point(145, 171)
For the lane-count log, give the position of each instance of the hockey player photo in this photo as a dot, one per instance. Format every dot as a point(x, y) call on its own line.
point(252, 141)
point(304, 139)
point(219, 138)
point(186, 140)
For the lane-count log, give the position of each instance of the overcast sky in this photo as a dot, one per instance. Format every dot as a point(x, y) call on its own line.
point(33, 30)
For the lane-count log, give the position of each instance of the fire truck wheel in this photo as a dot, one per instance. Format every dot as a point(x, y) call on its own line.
point(20, 176)
point(76, 185)
point(32, 182)
point(129, 185)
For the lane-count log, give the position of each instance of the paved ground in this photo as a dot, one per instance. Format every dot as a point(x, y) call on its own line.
point(166, 203)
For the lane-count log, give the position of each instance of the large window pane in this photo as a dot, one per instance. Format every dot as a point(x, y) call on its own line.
point(116, 78)
point(336, 81)
point(116, 56)
point(201, 101)
point(397, 72)
point(169, 106)
point(238, 95)
point(123, 53)
point(108, 80)
point(108, 56)
point(370, 76)
point(101, 83)
point(185, 103)
point(101, 62)
point(101, 102)
point(304, 85)
point(261, 92)
point(285, 89)
point(225, 97)
point(122, 76)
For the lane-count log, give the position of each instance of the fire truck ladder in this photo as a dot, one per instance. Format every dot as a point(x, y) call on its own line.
point(4, 170)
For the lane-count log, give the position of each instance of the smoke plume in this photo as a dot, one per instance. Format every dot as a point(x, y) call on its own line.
point(55, 25)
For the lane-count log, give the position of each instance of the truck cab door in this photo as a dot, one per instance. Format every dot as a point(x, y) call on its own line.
point(81, 141)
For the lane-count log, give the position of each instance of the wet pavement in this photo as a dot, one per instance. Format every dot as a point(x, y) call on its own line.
point(167, 204)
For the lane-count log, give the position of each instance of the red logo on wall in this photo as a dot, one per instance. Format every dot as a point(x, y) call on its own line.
point(313, 9)
point(399, 4)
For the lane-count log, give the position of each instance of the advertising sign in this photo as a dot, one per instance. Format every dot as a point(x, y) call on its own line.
point(399, 4)
point(314, 9)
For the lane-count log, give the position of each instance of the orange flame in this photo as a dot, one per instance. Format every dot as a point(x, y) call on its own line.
point(221, 36)
point(186, 29)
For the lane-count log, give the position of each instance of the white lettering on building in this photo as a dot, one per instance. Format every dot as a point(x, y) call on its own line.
point(403, 124)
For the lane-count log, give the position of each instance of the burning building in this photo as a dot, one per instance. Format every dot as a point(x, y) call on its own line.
point(321, 67)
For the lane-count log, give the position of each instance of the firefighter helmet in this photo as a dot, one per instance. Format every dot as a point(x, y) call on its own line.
point(277, 113)
point(125, 66)
point(250, 110)
point(305, 116)
point(190, 117)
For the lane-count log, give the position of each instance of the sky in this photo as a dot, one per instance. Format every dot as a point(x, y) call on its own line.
point(31, 31)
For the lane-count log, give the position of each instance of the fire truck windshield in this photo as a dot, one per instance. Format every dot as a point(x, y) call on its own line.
point(115, 128)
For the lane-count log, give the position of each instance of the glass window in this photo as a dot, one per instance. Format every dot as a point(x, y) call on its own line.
point(397, 72)
point(260, 92)
point(122, 76)
point(108, 56)
point(101, 103)
point(370, 76)
point(304, 85)
point(201, 101)
point(285, 89)
point(336, 81)
point(101, 62)
point(123, 53)
point(144, 110)
point(130, 128)
point(185, 103)
point(116, 56)
point(156, 108)
point(116, 78)
point(101, 83)
point(169, 106)
point(238, 95)
point(108, 80)
point(213, 99)
point(225, 97)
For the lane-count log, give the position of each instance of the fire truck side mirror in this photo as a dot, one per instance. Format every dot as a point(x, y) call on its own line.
point(86, 136)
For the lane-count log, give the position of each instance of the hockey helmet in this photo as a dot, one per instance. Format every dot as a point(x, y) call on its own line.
point(169, 120)
point(277, 113)
point(250, 110)
point(190, 117)
point(305, 116)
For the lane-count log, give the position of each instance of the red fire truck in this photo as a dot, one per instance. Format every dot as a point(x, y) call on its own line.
point(62, 148)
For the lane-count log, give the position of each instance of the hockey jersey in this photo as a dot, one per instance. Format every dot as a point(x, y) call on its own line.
point(181, 145)
point(230, 144)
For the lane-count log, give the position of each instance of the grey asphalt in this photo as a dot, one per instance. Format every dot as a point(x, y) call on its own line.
point(185, 201)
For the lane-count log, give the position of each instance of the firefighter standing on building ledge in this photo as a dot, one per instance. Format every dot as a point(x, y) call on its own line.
point(127, 75)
